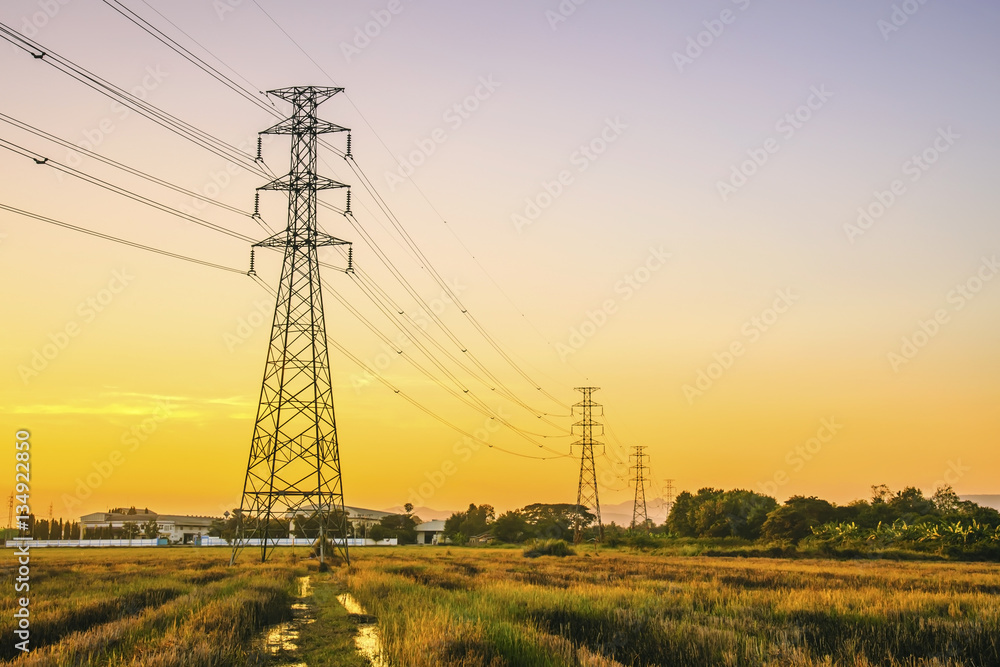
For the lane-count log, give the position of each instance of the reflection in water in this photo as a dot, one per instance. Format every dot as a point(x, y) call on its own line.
point(280, 640)
point(367, 640)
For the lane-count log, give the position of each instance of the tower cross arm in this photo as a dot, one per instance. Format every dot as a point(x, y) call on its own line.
point(293, 93)
point(303, 181)
point(305, 125)
point(281, 240)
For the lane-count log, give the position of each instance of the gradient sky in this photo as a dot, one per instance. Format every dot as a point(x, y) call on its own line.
point(160, 355)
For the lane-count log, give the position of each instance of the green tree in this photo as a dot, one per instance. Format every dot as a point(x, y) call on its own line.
point(945, 500)
point(401, 526)
point(130, 530)
point(463, 525)
point(680, 520)
point(555, 521)
point(716, 513)
point(511, 527)
point(910, 504)
point(797, 517)
point(225, 528)
point(151, 529)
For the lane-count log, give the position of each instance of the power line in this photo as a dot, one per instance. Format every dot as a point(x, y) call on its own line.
point(116, 239)
point(417, 187)
point(343, 350)
point(117, 94)
point(218, 147)
point(358, 171)
point(69, 170)
point(118, 165)
point(125, 192)
point(201, 138)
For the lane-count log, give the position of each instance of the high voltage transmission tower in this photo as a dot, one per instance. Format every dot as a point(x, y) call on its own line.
point(669, 492)
point(586, 495)
point(639, 514)
point(293, 474)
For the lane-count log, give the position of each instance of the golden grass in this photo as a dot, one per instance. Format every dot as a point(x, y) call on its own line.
point(146, 607)
point(494, 607)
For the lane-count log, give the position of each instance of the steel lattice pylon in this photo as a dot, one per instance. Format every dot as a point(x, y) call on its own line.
point(639, 514)
point(294, 469)
point(586, 495)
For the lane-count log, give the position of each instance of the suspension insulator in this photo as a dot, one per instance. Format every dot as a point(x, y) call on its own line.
point(349, 145)
point(348, 210)
point(350, 258)
point(256, 205)
point(251, 272)
point(260, 158)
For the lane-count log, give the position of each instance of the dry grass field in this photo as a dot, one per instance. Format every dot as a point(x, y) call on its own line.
point(495, 607)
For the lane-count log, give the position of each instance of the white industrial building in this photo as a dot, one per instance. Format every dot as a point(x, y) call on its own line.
point(431, 532)
point(177, 528)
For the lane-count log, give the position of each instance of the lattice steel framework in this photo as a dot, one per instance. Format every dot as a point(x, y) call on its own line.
point(294, 469)
point(639, 515)
point(669, 490)
point(586, 495)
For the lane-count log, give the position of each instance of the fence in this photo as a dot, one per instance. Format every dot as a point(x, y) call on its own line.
point(34, 544)
point(300, 542)
point(205, 541)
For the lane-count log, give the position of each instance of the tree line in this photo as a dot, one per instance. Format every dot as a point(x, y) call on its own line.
point(904, 519)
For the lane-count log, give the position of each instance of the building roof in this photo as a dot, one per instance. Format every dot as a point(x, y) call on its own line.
point(352, 512)
point(115, 517)
point(362, 513)
point(436, 526)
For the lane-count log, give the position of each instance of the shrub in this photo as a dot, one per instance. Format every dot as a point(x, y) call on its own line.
point(548, 548)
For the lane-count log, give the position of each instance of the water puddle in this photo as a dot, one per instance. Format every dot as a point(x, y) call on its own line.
point(368, 640)
point(280, 641)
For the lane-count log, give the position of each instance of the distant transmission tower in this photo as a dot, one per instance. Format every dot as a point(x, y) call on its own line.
point(669, 489)
point(294, 467)
point(639, 514)
point(586, 495)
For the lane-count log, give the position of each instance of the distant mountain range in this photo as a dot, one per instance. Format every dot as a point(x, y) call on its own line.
point(986, 500)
